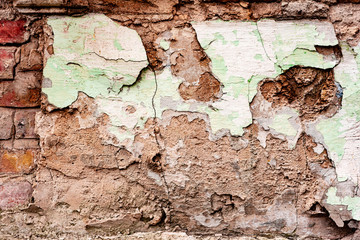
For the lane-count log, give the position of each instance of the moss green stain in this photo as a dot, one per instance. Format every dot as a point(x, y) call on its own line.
point(282, 125)
point(357, 54)
point(284, 44)
point(219, 121)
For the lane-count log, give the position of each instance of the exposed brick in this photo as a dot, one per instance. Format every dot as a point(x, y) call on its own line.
point(31, 57)
point(78, 3)
point(39, 3)
point(6, 123)
point(14, 194)
point(6, 144)
point(17, 161)
point(13, 31)
point(26, 144)
point(266, 10)
point(24, 91)
point(24, 122)
point(44, 10)
point(304, 9)
point(7, 62)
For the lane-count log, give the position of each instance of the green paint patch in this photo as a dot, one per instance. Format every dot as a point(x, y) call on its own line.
point(118, 45)
point(330, 129)
point(235, 43)
point(281, 124)
point(334, 130)
point(92, 54)
point(262, 50)
point(102, 59)
point(218, 65)
point(352, 203)
point(164, 44)
point(218, 36)
point(256, 33)
point(259, 57)
point(306, 58)
point(337, 130)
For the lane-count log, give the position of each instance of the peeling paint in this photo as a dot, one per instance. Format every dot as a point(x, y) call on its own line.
point(352, 202)
point(207, 221)
point(282, 124)
point(266, 48)
point(341, 135)
point(92, 54)
point(100, 63)
point(217, 128)
point(340, 132)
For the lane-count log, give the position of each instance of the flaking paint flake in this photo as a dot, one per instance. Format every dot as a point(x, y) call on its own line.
point(341, 135)
point(92, 54)
point(107, 61)
point(99, 61)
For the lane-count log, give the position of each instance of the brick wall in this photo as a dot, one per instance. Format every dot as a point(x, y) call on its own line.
point(20, 88)
point(21, 65)
point(82, 184)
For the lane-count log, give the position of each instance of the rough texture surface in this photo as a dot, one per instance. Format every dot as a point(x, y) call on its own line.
point(179, 119)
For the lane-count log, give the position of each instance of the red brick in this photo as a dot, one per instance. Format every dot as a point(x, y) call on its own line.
point(14, 194)
point(26, 144)
point(266, 10)
point(13, 31)
point(24, 122)
point(6, 144)
point(31, 57)
point(7, 62)
point(17, 161)
point(24, 91)
point(6, 123)
point(78, 3)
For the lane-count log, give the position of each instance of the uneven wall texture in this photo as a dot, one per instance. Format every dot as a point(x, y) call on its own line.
point(179, 119)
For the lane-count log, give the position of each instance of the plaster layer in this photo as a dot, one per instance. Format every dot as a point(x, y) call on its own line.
point(172, 157)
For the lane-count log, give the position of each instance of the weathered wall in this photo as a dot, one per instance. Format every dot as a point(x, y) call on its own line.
point(192, 119)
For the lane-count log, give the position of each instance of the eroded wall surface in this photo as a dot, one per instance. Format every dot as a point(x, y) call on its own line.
point(179, 119)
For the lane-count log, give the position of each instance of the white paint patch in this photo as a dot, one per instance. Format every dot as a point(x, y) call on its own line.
point(207, 221)
point(319, 148)
point(155, 176)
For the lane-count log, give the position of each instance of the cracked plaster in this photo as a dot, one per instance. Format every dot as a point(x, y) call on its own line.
point(242, 54)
